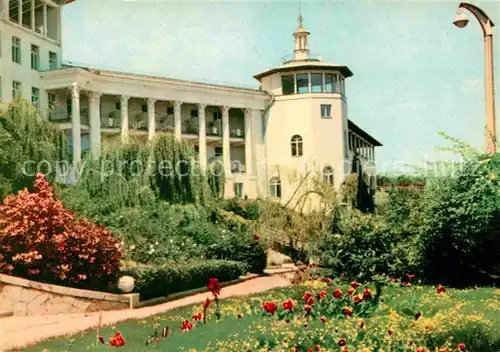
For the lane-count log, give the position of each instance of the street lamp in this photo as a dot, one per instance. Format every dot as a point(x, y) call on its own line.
point(487, 25)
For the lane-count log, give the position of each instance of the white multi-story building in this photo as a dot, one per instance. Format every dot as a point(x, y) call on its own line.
point(266, 138)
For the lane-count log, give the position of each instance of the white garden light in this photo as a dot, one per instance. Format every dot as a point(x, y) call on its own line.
point(126, 284)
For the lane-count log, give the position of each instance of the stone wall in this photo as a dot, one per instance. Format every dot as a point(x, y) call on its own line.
point(26, 297)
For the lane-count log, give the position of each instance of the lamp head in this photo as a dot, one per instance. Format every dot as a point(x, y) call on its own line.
point(461, 19)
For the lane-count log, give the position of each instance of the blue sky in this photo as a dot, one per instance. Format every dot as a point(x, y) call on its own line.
point(415, 74)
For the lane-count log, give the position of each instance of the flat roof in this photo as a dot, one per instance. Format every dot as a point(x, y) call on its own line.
point(306, 65)
point(360, 132)
point(99, 71)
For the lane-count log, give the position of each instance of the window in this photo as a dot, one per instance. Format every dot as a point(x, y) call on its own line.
point(288, 84)
point(35, 57)
point(118, 105)
point(14, 10)
point(328, 175)
point(35, 97)
point(218, 151)
point(303, 83)
point(326, 111)
point(275, 187)
point(330, 80)
point(170, 110)
point(52, 104)
point(217, 115)
point(341, 88)
point(296, 145)
point(197, 149)
point(16, 89)
point(16, 50)
point(194, 113)
point(144, 108)
point(52, 60)
point(316, 82)
point(238, 190)
point(69, 106)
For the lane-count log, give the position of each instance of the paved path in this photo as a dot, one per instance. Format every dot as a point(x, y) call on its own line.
point(21, 331)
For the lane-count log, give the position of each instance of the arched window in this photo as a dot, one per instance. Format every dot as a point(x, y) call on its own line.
point(296, 143)
point(328, 175)
point(275, 187)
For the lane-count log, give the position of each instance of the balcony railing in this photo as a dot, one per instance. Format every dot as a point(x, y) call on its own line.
point(190, 129)
point(213, 131)
point(236, 133)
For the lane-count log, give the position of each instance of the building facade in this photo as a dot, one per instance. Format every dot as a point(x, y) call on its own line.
point(266, 138)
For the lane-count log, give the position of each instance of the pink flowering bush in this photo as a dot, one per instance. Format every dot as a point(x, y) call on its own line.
point(42, 240)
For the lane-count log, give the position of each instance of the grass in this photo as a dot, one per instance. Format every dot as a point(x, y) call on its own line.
point(457, 316)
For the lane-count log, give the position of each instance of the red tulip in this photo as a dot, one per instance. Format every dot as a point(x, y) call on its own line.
point(355, 284)
point(390, 332)
point(367, 294)
point(288, 305)
point(307, 308)
point(362, 325)
point(256, 237)
point(441, 289)
point(348, 312)
point(306, 296)
point(350, 291)
point(214, 286)
point(207, 304)
point(311, 301)
point(186, 325)
point(357, 299)
point(322, 294)
point(197, 316)
point(461, 346)
point(338, 293)
point(316, 347)
point(240, 316)
point(323, 319)
point(342, 342)
point(420, 349)
point(270, 307)
point(410, 276)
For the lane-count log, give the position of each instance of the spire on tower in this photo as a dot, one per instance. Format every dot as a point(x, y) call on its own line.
point(301, 51)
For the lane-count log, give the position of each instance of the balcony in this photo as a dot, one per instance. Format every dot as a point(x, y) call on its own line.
point(112, 121)
point(63, 119)
point(236, 133)
point(186, 129)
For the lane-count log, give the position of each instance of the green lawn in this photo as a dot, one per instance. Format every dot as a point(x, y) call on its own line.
point(471, 317)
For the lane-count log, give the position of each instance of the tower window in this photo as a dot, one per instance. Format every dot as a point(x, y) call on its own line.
point(218, 151)
point(275, 187)
point(326, 111)
point(330, 80)
point(316, 82)
point(303, 83)
point(288, 84)
point(328, 175)
point(296, 144)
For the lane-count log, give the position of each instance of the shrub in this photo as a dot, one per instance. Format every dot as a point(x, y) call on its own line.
point(460, 225)
point(26, 137)
point(41, 240)
point(247, 209)
point(240, 247)
point(365, 245)
point(171, 277)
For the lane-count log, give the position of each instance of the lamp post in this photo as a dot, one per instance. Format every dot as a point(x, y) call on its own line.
point(487, 25)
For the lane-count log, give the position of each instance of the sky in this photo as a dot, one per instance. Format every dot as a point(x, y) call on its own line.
point(415, 74)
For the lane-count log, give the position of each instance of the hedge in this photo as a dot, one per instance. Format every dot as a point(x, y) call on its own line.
point(171, 278)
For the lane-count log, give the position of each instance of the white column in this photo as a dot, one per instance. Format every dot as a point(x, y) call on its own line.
point(151, 118)
point(95, 123)
point(20, 12)
point(32, 15)
point(59, 17)
point(44, 20)
point(124, 117)
point(248, 142)
point(75, 123)
point(177, 119)
point(202, 136)
point(226, 153)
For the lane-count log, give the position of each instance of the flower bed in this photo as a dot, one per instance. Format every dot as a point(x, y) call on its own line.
point(316, 314)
